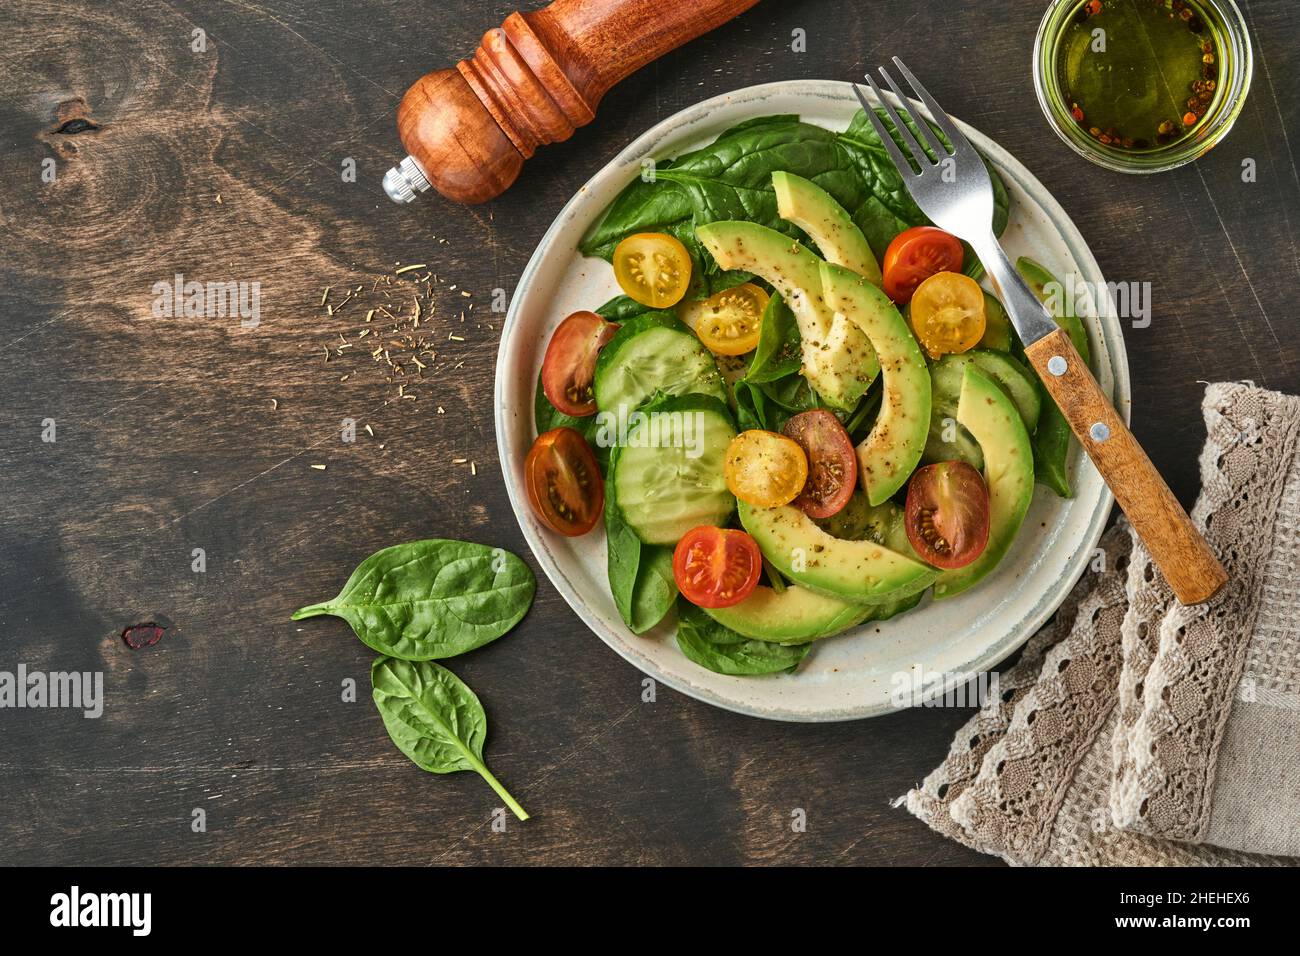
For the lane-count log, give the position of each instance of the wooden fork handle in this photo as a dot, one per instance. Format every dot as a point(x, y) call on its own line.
point(1177, 548)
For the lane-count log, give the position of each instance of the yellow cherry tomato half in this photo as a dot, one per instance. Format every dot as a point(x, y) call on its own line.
point(653, 268)
point(728, 322)
point(765, 469)
point(948, 313)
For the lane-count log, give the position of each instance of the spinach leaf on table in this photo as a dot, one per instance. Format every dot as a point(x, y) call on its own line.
point(723, 651)
point(435, 719)
point(640, 575)
point(432, 599)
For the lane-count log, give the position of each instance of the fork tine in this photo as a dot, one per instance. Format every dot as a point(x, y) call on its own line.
point(936, 111)
point(896, 154)
point(939, 149)
point(922, 160)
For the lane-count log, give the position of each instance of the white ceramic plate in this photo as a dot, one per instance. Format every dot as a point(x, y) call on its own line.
point(853, 675)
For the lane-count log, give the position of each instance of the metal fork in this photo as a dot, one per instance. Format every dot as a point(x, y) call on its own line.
point(954, 191)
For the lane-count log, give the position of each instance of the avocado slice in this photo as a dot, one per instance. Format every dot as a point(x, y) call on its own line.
point(1020, 384)
point(838, 361)
point(793, 616)
point(828, 224)
point(948, 441)
point(861, 571)
point(990, 416)
point(890, 452)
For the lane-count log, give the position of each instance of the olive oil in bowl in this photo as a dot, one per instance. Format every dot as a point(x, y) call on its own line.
point(1142, 85)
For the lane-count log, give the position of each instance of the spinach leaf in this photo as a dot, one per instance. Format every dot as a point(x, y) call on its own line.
point(656, 588)
point(1051, 446)
point(621, 308)
point(779, 344)
point(769, 405)
point(640, 575)
point(656, 203)
point(435, 719)
point(546, 416)
point(723, 651)
point(791, 392)
point(659, 206)
point(751, 406)
point(728, 179)
point(731, 179)
point(773, 387)
point(644, 205)
point(432, 599)
point(863, 419)
point(1051, 439)
point(889, 208)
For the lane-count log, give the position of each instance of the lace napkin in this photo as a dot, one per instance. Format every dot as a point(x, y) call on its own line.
point(1135, 731)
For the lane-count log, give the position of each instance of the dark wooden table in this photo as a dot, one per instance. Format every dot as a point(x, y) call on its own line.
point(176, 434)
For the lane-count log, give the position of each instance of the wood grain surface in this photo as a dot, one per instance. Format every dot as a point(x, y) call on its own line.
point(226, 164)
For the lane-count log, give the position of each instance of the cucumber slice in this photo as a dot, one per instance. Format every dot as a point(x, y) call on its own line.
point(1017, 381)
point(947, 439)
point(668, 477)
point(653, 353)
point(997, 327)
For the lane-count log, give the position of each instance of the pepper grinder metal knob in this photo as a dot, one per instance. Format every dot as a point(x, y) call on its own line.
point(405, 181)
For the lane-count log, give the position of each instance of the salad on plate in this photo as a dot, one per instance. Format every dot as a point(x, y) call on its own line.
point(803, 413)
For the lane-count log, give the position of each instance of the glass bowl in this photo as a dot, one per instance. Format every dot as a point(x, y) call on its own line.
point(1229, 29)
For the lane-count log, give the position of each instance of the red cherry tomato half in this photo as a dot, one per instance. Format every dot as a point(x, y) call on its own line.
point(716, 567)
point(915, 255)
point(947, 515)
point(563, 482)
point(832, 463)
point(569, 368)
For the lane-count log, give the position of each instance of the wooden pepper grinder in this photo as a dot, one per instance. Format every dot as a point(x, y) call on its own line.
point(532, 81)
